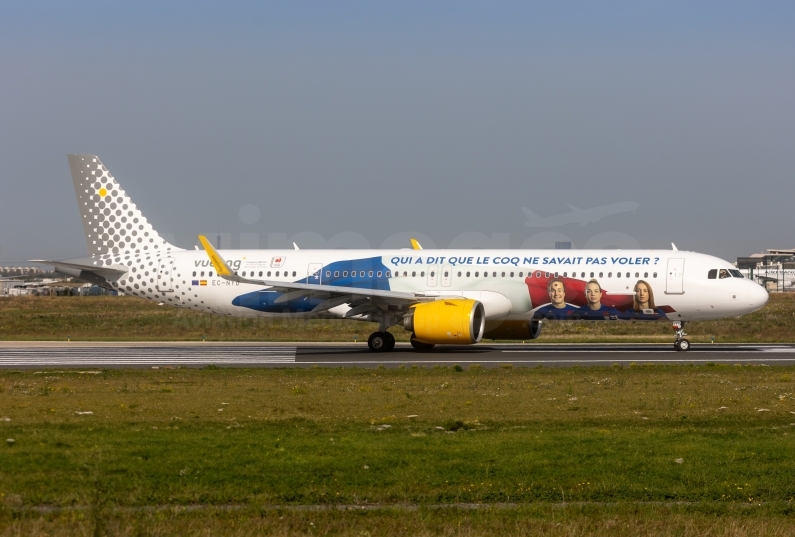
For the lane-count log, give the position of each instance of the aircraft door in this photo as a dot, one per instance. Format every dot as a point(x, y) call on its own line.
point(433, 274)
point(447, 275)
point(314, 273)
point(675, 277)
point(164, 275)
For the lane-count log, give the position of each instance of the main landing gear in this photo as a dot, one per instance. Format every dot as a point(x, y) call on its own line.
point(381, 341)
point(681, 344)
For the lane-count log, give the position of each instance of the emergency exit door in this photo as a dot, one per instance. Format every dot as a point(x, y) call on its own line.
point(447, 274)
point(433, 274)
point(314, 273)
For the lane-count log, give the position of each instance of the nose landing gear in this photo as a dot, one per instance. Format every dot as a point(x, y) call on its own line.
point(681, 344)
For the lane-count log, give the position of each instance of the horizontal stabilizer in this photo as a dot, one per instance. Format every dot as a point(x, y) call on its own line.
point(111, 271)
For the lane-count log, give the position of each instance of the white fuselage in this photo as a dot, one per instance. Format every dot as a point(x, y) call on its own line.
point(511, 284)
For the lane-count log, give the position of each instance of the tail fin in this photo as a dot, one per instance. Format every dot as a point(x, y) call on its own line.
point(112, 223)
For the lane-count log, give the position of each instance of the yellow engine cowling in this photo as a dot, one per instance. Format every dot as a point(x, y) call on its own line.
point(447, 321)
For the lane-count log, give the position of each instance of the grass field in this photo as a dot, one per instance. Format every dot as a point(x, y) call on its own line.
point(134, 319)
point(660, 450)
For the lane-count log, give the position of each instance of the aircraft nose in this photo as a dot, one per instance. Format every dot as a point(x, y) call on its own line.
point(757, 296)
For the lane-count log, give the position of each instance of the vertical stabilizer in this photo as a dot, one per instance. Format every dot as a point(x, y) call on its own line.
point(113, 225)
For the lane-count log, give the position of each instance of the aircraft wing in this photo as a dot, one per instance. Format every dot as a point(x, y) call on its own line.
point(295, 290)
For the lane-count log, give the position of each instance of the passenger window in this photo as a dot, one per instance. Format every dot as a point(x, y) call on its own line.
point(293, 274)
point(503, 274)
point(618, 274)
point(269, 274)
point(609, 274)
point(405, 273)
point(277, 273)
point(468, 274)
point(485, 274)
point(520, 274)
point(203, 274)
point(724, 274)
point(459, 274)
point(389, 273)
point(654, 275)
point(476, 274)
point(591, 274)
point(712, 274)
point(344, 273)
point(446, 274)
point(414, 274)
point(379, 273)
point(210, 274)
point(432, 274)
point(194, 273)
point(370, 274)
point(645, 274)
point(511, 274)
point(493, 274)
point(422, 274)
point(601, 274)
point(328, 274)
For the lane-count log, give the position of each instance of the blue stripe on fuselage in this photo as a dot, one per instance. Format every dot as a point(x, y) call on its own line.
point(339, 273)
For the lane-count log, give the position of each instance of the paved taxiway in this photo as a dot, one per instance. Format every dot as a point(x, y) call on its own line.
point(18, 355)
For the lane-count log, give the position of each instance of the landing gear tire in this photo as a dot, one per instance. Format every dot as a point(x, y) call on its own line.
point(681, 344)
point(390, 341)
point(379, 341)
point(419, 345)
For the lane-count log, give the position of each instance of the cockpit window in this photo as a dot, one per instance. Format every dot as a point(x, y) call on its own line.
point(736, 273)
point(713, 274)
point(724, 274)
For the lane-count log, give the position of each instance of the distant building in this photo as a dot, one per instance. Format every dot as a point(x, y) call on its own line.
point(774, 269)
point(21, 271)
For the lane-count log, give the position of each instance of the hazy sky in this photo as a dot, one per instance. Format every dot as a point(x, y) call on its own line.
point(358, 121)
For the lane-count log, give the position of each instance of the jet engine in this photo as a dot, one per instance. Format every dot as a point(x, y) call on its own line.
point(512, 329)
point(447, 321)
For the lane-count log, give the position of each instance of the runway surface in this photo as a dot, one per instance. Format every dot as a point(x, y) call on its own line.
point(25, 355)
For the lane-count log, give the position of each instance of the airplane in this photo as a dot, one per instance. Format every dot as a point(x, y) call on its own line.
point(440, 296)
point(583, 216)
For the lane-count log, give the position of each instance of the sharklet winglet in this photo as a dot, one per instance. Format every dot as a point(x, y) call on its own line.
point(215, 258)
